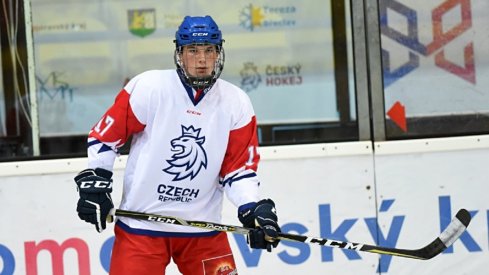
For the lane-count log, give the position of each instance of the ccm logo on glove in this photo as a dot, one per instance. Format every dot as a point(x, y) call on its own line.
point(95, 184)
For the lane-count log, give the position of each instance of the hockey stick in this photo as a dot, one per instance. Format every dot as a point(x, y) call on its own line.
point(456, 227)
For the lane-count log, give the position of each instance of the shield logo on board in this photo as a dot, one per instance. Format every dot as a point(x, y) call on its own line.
point(141, 22)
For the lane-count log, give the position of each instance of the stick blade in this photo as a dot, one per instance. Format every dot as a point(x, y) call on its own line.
point(452, 233)
point(464, 217)
point(454, 230)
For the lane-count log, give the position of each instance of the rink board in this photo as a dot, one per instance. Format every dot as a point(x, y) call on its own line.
point(402, 195)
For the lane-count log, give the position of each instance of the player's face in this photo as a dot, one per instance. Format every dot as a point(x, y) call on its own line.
point(199, 60)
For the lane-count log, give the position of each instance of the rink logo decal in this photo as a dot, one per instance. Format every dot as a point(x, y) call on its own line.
point(68, 26)
point(188, 156)
point(54, 87)
point(275, 75)
point(141, 22)
point(250, 78)
point(252, 17)
point(443, 33)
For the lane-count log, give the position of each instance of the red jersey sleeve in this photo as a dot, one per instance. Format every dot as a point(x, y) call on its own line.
point(117, 124)
point(241, 153)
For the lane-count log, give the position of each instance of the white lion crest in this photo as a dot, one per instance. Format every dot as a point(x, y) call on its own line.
point(189, 155)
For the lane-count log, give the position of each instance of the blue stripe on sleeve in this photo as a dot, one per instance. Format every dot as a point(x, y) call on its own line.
point(104, 148)
point(235, 178)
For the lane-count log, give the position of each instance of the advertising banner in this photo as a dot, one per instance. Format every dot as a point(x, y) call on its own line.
point(418, 194)
point(320, 190)
point(435, 56)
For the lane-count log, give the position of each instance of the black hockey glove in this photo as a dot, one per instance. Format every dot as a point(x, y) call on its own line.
point(262, 217)
point(95, 203)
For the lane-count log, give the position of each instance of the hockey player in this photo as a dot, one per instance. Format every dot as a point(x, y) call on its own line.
point(193, 140)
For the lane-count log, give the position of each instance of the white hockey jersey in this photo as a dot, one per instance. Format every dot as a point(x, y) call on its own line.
point(185, 152)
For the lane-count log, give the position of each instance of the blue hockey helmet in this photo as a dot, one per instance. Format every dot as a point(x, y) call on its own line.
point(198, 30)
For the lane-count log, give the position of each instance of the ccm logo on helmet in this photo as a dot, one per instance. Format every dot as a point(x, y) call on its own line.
point(200, 34)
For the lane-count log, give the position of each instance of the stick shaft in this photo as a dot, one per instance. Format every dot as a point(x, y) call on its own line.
point(452, 233)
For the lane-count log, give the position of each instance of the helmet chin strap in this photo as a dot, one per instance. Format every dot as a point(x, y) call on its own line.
point(200, 82)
